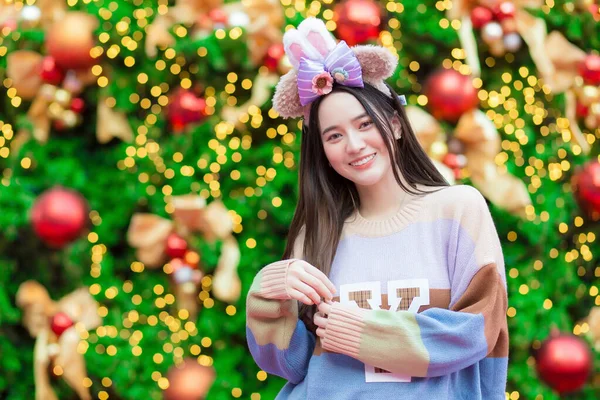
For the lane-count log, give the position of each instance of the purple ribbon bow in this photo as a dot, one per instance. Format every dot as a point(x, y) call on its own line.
point(315, 78)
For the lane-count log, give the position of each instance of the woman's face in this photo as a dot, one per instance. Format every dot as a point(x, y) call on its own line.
point(352, 143)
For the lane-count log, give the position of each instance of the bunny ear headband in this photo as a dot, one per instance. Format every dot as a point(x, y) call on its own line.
point(319, 61)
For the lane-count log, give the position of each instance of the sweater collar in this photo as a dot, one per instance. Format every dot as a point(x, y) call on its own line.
point(392, 224)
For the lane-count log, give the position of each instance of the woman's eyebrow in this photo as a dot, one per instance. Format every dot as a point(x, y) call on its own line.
point(335, 126)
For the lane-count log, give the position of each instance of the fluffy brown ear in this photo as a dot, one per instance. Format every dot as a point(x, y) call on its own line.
point(377, 64)
point(286, 100)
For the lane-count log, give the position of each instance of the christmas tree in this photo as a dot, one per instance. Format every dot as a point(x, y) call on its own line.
point(146, 179)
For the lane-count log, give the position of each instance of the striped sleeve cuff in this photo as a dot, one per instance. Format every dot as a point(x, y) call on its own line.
point(273, 278)
point(345, 326)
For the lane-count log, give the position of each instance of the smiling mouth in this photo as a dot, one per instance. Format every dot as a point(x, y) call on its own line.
point(363, 160)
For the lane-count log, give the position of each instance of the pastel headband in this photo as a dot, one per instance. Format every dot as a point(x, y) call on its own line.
point(319, 62)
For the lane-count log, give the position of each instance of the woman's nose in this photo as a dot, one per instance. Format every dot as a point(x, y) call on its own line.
point(355, 142)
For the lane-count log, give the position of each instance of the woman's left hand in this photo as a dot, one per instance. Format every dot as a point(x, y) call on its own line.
point(320, 318)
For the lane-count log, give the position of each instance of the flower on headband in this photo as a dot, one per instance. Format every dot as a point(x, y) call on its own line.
point(315, 77)
point(340, 74)
point(322, 83)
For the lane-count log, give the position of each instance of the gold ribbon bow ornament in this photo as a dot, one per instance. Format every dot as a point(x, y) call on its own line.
point(502, 24)
point(481, 144)
point(54, 89)
point(151, 234)
point(262, 20)
point(580, 85)
point(56, 326)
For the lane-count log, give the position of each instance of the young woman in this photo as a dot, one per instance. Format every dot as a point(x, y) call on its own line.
point(392, 283)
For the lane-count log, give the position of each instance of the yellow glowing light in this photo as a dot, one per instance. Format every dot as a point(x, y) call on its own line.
point(163, 383)
point(195, 349)
point(137, 266)
point(95, 289)
point(111, 350)
point(111, 292)
point(563, 228)
point(277, 201)
point(523, 289)
point(220, 34)
point(136, 299)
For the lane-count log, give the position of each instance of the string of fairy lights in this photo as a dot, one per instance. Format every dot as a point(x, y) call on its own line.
point(229, 145)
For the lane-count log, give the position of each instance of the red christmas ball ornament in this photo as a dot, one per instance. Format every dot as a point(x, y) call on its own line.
point(594, 9)
point(50, 72)
point(564, 362)
point(176, 246)
point(189, 380)
point(185, 108)
point(455, 162)
point(70, 40)
point(59, 125)
point(176, 264)
point(274, 55)
point(10, 25)
point(218, 16)
point(450, 160)
point(504, 10)
point(60, 322)
point(480, 16)
point(586, 185)
point(59, 216)
point(589, 69)
point(358, 21)
point(77, 105)
point(581, 110)
point(450, 94)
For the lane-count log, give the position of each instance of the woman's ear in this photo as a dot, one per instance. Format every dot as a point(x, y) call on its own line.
point(397, 127)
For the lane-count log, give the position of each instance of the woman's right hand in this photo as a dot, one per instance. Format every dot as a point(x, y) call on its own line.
point(308, 284)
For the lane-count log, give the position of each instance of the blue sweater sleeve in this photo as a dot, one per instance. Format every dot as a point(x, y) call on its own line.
point(277, 339)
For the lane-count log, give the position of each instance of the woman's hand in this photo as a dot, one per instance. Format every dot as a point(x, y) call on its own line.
point(307, 284)
point(320, 318)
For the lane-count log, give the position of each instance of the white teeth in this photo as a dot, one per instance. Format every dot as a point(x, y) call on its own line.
point(363, 161)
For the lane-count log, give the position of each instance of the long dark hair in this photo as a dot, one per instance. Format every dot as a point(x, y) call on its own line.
point(326, 199)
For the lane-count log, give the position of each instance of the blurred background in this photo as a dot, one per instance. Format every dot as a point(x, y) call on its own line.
point(145, 180)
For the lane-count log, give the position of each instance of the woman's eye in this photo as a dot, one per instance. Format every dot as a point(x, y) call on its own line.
point(366, 124)
point(333, 137)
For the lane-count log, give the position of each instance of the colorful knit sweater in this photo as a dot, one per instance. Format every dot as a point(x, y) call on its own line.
point(421, 312)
